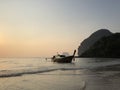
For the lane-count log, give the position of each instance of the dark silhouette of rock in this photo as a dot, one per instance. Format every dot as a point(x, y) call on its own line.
point(87, 43)
point(106, 47)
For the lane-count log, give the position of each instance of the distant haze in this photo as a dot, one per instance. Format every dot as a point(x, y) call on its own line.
point(43, 27)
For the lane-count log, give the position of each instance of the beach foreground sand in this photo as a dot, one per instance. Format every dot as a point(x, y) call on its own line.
point(64, 80)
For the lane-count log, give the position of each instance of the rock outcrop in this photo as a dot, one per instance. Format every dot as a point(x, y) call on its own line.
point(92, 39)
point(106, 47)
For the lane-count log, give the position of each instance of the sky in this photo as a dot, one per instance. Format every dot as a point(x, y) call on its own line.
point(40, 28)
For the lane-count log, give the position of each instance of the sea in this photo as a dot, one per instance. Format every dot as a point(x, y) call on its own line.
point(43, 74)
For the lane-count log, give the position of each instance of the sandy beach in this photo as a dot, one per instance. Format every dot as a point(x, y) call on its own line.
point(63, 80)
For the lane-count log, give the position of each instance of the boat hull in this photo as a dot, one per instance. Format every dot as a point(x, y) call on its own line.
point(63, 60)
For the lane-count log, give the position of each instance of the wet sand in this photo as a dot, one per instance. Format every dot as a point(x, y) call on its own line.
point(64, 80)
point(46, 81)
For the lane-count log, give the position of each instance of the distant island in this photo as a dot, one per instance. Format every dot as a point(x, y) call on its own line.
point(102, 43)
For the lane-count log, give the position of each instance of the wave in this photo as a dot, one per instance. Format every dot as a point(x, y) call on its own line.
point(11, 73)
point(14, 73)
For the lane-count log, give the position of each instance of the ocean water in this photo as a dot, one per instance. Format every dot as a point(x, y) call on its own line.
point(81, 74)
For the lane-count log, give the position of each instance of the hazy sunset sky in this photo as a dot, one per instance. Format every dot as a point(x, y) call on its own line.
point(44, 27)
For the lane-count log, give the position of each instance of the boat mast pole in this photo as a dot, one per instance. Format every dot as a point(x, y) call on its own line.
point(74, 52)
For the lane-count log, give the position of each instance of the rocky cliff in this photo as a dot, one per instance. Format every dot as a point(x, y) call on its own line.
point(92, 39)
point(106, 47)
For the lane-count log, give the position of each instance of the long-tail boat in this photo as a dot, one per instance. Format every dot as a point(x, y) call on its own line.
point(63, 59)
